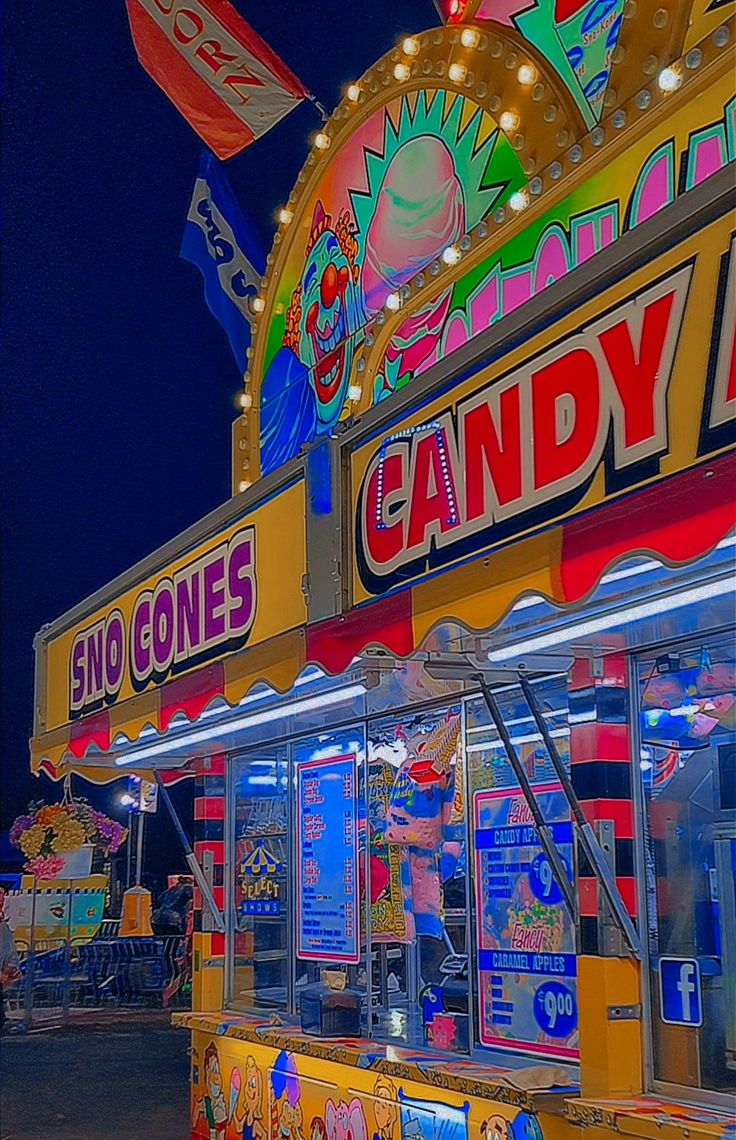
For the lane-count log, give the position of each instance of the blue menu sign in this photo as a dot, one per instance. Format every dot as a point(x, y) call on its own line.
point(527, 983)
point(327, 853)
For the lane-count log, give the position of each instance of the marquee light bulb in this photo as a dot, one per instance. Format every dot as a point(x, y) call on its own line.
point(258, 304)
point(355, 392)
point(519, 201)
point(393, 302)
point(669, 79)
point(451, 255)
point(457, 72)
point(402, 71)
point(508, 121)
point(322, 141)
point(285, 216)
point(470, 37)
point(527, 74)
point(353, 93)
point(244, 484)
point(410, 46)
point(245, 401)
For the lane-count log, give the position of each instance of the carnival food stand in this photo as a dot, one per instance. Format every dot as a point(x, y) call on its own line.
point(454, 668)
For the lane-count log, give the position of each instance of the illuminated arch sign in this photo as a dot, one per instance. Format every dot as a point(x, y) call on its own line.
point(414, 177)
point(630, 395)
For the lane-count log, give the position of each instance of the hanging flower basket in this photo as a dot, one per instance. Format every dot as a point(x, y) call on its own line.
point(60, 839)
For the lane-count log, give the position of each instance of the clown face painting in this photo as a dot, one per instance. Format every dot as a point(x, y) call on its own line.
point(324, 314)
point(411, 181)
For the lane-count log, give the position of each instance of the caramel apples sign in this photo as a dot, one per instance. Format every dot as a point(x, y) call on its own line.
point(525, 449)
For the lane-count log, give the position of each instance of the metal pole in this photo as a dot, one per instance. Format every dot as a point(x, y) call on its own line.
point(192, 861)
point(588, 838)
point(67, 961)
point(30, 966)
point(545, 835)
point(129, 854)
point(139, 849)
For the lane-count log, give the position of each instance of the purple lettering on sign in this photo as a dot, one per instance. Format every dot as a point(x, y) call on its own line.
point(78, 676)
point(141, 638)
point(214, 599)
point(188, 614)
point(162, 626)
point(241, 585)
point(114, 652)
point(95, 663)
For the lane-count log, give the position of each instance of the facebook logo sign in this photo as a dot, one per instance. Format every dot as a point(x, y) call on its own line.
point(679, 991)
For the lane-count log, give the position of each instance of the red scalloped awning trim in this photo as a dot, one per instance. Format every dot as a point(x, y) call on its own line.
point(679, 520)
point(94, 729)
point(191, 694)
point(333, 643)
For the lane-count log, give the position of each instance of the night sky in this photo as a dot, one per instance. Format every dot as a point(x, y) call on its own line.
point(119, 385)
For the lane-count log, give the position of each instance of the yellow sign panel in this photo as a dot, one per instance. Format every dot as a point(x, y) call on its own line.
point(635, 385)
point(239, 587)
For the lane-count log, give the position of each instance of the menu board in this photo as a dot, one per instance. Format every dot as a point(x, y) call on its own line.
point(527, 985)
point(327, 854)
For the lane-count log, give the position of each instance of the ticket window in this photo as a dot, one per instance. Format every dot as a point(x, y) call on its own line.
point(687, 723)
point(259, 968)
point(418, 879)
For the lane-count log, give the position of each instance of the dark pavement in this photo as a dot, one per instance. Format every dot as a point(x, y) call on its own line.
point(126, 1080)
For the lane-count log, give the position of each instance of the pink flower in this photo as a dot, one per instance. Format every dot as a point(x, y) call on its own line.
point(45, 867)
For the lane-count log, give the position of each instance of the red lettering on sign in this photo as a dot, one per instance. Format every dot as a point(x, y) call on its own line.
point(565, 414)
point(210, 51)
point(246, 79)
point(187, 31)
point(731, 382)
point(385, 539)
point(434, 498)
point(635, 370)
point(496, 451)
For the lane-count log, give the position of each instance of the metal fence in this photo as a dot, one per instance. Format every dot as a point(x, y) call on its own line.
point(64, 978)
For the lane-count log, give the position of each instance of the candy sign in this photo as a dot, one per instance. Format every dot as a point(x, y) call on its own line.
point(525, 449)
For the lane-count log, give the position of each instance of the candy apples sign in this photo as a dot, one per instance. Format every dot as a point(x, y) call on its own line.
point(525, 449)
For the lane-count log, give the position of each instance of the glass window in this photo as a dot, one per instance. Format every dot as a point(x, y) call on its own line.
point(687, 701)
point(260, 884)
point(329, 850)
point(418, 874)
point(525, 937)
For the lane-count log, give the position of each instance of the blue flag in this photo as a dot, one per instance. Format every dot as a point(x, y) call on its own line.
point(219, 241)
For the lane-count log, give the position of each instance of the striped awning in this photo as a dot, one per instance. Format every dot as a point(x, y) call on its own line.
point(676, 522)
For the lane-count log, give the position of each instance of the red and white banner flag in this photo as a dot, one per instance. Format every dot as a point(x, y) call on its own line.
point(228, 84)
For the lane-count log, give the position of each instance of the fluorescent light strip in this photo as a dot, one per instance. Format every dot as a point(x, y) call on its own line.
point(307, 678)
point(549, 715)
point(307, 704)
point(527, 739)
point(610, 621)
point(615, 576)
